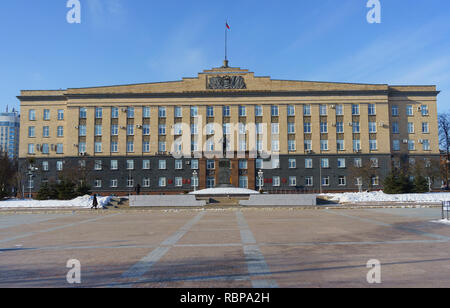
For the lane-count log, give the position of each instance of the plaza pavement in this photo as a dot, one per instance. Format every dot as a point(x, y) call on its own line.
point(231, 248)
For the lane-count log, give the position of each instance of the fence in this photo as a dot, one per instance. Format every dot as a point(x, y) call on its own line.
point(446, 210)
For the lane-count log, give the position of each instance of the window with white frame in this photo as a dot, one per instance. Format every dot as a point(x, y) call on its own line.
point(178, 164)
point(146, 112)
point(276, 181)
point(291, 110)
point(146, 164)
point(114, 164)
point(258, 111)
point(307, 110)
point(146, 182)
point(341, 163)
point(275, 111)
point(130, 164)
point(162, 164)
point(292, 163)
point(292, 181)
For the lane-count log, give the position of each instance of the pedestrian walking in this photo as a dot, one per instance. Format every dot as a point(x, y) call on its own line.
point(95, 202)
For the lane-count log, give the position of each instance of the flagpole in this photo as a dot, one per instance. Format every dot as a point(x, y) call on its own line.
point(226, 39)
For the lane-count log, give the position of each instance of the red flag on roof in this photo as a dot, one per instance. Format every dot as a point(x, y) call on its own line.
point(228, 27)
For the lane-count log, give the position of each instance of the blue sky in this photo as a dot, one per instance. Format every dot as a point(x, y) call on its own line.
point(123, 41)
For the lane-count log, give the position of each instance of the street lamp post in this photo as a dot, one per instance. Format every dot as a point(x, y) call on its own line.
point(260, 178)
point(31, 175)
point(194, 177)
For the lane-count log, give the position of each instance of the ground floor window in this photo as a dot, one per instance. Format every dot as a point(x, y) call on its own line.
point(243, 182)
point(210, 182)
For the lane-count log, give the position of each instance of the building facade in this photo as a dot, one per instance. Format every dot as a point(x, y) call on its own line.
point(168, 137)
point(9, 133)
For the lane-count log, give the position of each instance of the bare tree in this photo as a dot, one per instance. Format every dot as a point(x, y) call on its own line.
point(444, 136)
point(365, 172)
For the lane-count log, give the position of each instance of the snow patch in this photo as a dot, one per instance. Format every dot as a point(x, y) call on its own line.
point(380, 196)
point(80, 202)
point(443, 221)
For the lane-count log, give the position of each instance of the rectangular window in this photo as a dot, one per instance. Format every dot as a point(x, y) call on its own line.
point(146, 182)
point(409, 111)
point(114, 113)
point(341, 163)
point(130, 164)
point(275, 145)
point(82, 130)
point(291, 128)
point(242, 111)
point(324, 145)
point(356, 145)
point(358, 162)
point(60, 115)
point(323, 110)
point(194, 129)
point(307, 128)
point(194, 112)
point(130, 112)
point(373, 145)
point(275, 111)
point(424, 110)
point(356, 128)
point(146, 112)
point(114, 183)
point(211, 165)
point(258, 111)
point(178, 182)
point(307, 110)
point(276, 181)
point(98, 130)
point(162, 129)
point(98, 113)
point(339, 110)
point(210, 112)
point(130, 182)
point(425, 128)
point(291, 145)
point(308, 163)
point(372, 110)
point(45, 166)
point(372, 127)
point(309, 181)
point(46, 115)
point(161, 147)
point(340, 145)
point(226, 111)
point(59, 165)
point(130, 130)
point(275, 128)
point(32, 115)
point(146, 130)
point(82, 147)
point(374, 163)
point(178, 112)
point(325, 163)
point(291, 111)
point(326, 181)
point(243, 182)
point(83, 113)
point(32, 132)
point(130, 147)
point(114, 130)
point(114, 147)
point(355, 109)
point(146, 164)
point(395, 129)
point(146, 147)
point(30, 148)
point(410, 128)
point(194, 164)
point(426, 145)
point(59, 148)
point(45, 148)
point(114, 165)
point(323, 127)
point(292, 181)
point(292, 163)
point(98, 165)
point(308, 145)
point(342, 181)
point(395, 111)
point(60, 131)
point(396, 145)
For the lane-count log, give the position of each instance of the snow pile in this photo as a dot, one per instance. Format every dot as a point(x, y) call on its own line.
point(225, 191)
point(379, 196)
point(80, 202)
point(443, 221)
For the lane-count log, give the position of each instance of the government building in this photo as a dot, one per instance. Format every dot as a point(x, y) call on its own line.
point(282, 136)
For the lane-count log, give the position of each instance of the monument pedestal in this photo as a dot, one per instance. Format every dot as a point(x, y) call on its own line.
point(224, 175)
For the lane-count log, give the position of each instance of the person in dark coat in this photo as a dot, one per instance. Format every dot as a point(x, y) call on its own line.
point(95, 202)
point(138, 189)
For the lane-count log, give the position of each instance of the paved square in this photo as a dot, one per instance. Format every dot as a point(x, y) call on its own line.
point(230, 248)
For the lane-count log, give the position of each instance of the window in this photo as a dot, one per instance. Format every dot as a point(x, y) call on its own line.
point(356, 128)
point(130, 130)
point(410, 128)
point(59, 148)
point(326, 181)
point(375, 181)
point(59, 165)
point(275, 128)
point(178, 112)
point(130, 112)
point(308, 163)
point(194, 164)
point(372, 110)
point(32, 132)
point(161, 147)
point(30, 148)
point(357, 162)
point(292, 181)
point(114, 130)
point(60, 115)
point(373, 145)
point(45, 165)
point(114, 113)
point(209, 129)
point(291, 145)
point(339, 127)
point(130, 147)
point(45, 148)
point(426, 145)
point(146, 130)
point(258, 111)
point(291, 128)
point(411, 145)
point(307, 128)
point(194, 112)
point(409, 111)
point(308, 145)
point(210, 112)
point(114, 183)
point(226, 111)
point(395, 129)
point(340, 145)
point(323, 110)
point(274, 110)
point(83, 113)
point(309, 181)
point(114, 147)
point(243, 182)
point(325, 163)
point(146, 147)
point(259, 163)
point(98, 165)
point(130, 182)
point(146, 112)
point(146, 164)
point(292, 163)
point(372, 127)
point(424, 110)
point(178, 164)
point(211, 165)
point(162, 129)
point(307, 110)
point(342, 181)
point(323, 127)
point(356, 145)
point(146, 182)
point(194, 129)
point(82, 130)
point(291, 111)
point(242, 111)
point(276, 181)
point(425, 128)
point(275, 145)
point(243, 165)
point(130, 164)
point(46, 115)
point(355, 109)
point(178, 182)
point(242, 144)
point(60, 131)
point(374, 163)
point(339, 110)
point(82, 147)
point(395, 111)
point(98, 130)
point(341, 163)
point(194, 146)
point(32, 115)
point(396, 145)
point(324, 145)
point(275, 163)
point(114, 165)
point(98, 113)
